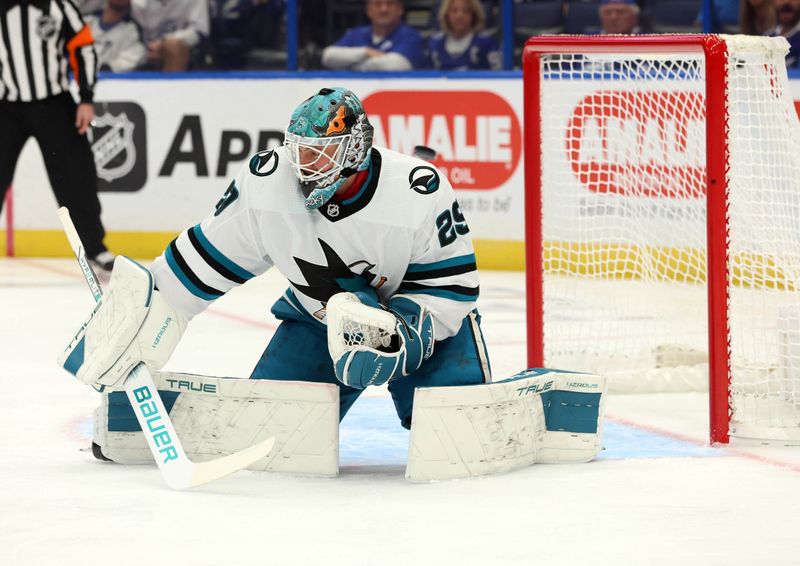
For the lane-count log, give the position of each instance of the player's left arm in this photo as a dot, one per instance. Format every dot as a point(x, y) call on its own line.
point(442, 276)
point(81, 54)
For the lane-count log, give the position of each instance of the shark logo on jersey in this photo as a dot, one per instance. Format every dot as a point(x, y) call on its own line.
point(424, 179)
point(264, 163)
point(323, 281)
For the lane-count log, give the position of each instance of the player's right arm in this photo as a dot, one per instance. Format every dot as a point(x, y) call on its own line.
point(207, 260)
point(144, 312)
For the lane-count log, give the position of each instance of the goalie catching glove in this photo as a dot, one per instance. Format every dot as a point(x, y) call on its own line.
point(131, 324)
point(371, 345)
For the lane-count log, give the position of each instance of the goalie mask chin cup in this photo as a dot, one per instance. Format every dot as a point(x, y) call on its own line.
point(328, 139)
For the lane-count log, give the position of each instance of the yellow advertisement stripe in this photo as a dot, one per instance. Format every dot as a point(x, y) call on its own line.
point(490, 254)
point(664, 263)
point(604, 261)
point(53, 243)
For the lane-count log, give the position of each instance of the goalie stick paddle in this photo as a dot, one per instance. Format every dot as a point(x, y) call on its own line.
point(178, 470)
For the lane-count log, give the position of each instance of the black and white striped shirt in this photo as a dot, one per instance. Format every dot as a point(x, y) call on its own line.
point(39, 41)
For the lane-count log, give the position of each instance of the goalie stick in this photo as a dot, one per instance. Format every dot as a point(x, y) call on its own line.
point(178, 470)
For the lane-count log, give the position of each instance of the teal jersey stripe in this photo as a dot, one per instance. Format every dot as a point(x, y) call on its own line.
point(191, 287)
point(219, 256)
point(450, 262)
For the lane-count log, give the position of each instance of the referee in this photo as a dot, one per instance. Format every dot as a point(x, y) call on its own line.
point(40, 42)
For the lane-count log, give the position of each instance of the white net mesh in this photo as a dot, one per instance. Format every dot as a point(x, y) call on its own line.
point(624, 230)
point(764, 217)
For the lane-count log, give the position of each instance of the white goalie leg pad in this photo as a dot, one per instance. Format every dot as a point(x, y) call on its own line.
point(216, 416)
point(539, 415)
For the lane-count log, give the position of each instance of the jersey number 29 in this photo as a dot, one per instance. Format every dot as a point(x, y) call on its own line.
point(450, 224)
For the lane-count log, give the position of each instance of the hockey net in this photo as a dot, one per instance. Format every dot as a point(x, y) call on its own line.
point(663, 192)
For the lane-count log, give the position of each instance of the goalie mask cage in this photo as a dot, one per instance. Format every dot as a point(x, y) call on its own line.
point(663, 220)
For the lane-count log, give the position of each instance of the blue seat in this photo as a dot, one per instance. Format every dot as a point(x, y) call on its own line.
point(674, 16)
point(541, 17)
point(582, 17)
point(537, 18)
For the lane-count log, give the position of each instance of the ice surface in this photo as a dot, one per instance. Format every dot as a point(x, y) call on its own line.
point(657, 495)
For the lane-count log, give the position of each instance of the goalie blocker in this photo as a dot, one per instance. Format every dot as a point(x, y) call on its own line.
point(538, 415)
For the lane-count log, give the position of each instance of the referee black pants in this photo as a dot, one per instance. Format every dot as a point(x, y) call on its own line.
point(67, 157)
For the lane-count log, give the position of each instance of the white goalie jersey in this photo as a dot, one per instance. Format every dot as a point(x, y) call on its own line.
point(403, 233)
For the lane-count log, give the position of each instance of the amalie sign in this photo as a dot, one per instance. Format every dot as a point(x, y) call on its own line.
point(476, 134)
point(639, 143)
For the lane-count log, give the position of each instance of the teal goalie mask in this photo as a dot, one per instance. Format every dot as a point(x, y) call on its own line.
point(328, 139)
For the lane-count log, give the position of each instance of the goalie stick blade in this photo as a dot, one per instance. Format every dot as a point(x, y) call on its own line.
point(194, 474)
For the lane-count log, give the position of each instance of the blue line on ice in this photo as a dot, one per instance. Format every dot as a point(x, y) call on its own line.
point(371, 434)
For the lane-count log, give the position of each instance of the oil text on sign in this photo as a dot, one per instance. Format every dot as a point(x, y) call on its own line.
point(639, 143)
point(476, 134)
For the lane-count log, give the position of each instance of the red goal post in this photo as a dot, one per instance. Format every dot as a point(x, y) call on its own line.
point(603, 205)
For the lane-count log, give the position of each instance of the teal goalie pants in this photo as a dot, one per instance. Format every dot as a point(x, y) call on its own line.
point(299, 352)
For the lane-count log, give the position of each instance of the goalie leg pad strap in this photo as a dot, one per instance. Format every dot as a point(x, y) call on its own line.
point(536, 416)
point(216, 416)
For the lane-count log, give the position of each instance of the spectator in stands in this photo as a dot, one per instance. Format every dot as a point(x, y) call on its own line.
point(460, 46)
point(757, 17)
point(788, 14)
point(387, 44)
point(619, 17)
point(171, 30)
point(116, 38)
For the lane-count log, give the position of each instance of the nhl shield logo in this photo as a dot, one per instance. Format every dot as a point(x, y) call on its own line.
point(46, 27)
point(112, 145)
point(333, 210)
point(119, 144)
